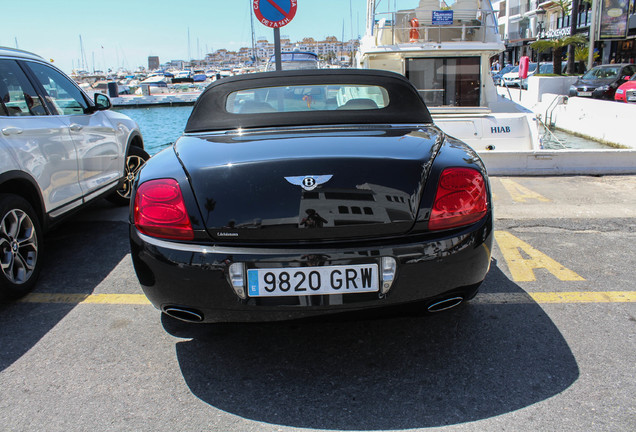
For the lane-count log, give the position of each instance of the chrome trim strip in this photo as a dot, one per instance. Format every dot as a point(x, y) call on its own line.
point(354, 127)
point(83, 200)
point(65, 208)
point(100, 191)
point(185, 247)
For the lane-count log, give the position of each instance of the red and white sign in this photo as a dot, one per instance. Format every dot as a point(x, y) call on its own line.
point(274, 13)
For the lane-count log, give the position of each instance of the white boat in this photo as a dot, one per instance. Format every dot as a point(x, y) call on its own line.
point(153, 84)
point(294, 60)
point(445, 52)
point(182, 76)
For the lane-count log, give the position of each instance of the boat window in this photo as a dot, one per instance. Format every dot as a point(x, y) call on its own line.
point(307, 98)
point(446, 81)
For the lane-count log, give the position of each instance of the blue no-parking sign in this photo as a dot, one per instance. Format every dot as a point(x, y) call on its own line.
point(274, 13)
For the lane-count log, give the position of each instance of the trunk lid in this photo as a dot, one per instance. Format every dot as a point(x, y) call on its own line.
point(308, 185)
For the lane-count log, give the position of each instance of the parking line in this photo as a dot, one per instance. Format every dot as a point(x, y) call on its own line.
point(585, 297)
point(520, 193)
point(522, 269)
point(115, 299)
point(557, 297)
point(486, 298)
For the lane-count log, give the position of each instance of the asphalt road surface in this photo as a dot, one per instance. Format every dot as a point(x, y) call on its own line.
point(548, 344)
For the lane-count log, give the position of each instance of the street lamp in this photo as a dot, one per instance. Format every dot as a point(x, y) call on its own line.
point(540, 14)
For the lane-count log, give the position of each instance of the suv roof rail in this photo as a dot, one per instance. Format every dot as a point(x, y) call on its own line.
point(19, 51)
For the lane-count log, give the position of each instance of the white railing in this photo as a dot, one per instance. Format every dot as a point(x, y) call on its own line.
point(416, 26)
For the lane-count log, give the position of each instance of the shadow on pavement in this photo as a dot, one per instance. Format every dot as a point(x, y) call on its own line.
point(77, 257)
point(475, 362)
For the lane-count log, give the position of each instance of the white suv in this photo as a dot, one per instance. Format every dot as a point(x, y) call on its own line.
point(512, 78)
point(59, 150)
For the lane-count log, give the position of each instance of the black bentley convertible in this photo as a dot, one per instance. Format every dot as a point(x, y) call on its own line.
point(302, 193)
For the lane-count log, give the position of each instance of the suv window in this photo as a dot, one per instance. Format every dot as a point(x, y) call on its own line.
point(61, 92)
point(17, 95)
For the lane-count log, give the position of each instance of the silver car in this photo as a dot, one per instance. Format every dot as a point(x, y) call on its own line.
point(59, 150)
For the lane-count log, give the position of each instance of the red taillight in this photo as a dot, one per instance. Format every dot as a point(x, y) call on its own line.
point(460, 199)
point(160, 210)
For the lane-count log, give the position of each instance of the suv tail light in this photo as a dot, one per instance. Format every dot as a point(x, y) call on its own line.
point(460, 199)
point(160, 211)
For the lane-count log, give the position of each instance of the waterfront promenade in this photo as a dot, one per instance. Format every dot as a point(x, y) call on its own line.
point(608, 122)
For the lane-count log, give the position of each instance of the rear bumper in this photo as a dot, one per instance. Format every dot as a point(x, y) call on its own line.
point(195, 277)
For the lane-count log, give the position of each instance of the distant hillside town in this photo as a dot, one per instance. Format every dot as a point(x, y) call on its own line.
point(329, 51)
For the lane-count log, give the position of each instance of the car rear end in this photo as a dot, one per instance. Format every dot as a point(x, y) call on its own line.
point(246, 241)
point(332, 192)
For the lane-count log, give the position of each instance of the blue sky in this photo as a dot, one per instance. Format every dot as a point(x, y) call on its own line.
point(124, 33)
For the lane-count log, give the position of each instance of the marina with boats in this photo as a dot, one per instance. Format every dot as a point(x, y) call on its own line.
point(445, 51)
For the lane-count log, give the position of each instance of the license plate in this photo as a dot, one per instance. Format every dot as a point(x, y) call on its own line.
point(585, 93)
point(294, 281)
point(631, 98)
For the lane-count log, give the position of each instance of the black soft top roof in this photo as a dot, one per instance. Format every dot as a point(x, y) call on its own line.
point(405, 104)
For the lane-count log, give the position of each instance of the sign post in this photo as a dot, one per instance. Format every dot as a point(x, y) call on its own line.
point(277, 53)
point(275, 14)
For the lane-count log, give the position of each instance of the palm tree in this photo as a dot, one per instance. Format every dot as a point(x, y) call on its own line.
point(557, 45)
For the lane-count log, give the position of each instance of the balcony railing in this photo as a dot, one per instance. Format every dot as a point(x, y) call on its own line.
point(415, 26)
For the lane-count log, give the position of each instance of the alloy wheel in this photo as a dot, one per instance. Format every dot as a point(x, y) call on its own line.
point(133, 165)
point(18, 246)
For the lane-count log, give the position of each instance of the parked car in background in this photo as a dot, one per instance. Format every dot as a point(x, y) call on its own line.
point(511, 79)
point(627, 91)
point(601, 82)
point(307, 193)
point(59, 150)
point(548, 68)
point(496, 76)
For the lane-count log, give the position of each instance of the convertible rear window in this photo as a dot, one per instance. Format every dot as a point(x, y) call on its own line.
point(307, 98)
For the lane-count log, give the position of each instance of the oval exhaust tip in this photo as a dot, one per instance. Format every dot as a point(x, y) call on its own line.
point(445, 304)
point(184, 314)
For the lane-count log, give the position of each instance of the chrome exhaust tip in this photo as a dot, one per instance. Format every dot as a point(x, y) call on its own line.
point(183, 314)
point(445, 304)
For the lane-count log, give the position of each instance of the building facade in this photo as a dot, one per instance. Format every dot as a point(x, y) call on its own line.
point(522, 22)
point(153, 62)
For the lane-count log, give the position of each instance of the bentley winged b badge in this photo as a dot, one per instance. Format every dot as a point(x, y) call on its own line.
point(309, 182)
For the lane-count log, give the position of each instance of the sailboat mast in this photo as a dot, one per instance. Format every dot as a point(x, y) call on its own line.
point(370, 16)
point(189, 57)
point(84, 65)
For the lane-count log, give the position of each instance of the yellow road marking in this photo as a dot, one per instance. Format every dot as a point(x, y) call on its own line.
point(556, 297)
point(521, 268)
point(490, 298)
point(585, 297)
point(119, 299)
point(521, 193)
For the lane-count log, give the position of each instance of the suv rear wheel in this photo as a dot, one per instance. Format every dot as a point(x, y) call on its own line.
point(135, 159)
point(20, 246)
